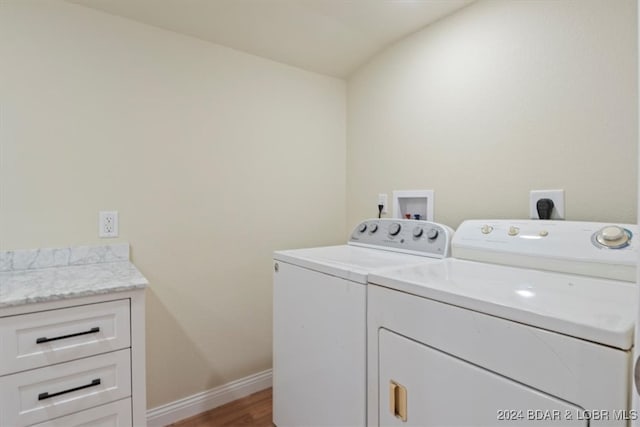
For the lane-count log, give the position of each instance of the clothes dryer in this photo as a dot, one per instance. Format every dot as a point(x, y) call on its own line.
point(530, 323)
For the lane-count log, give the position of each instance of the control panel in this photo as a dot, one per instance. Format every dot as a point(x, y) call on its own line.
point(419, 237)
point(590, 248)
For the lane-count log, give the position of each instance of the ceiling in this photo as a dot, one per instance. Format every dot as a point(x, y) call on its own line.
point(332, 37)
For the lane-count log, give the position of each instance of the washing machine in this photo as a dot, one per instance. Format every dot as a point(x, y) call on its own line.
point(529, 323)
point(319, 318)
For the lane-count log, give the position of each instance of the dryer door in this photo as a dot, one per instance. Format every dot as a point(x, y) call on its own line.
point(421, 386)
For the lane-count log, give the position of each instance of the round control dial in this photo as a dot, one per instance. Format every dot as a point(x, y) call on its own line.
point(417, 232)
point(394, 229)
point(373, 228)
point(362, 227)
point(432, 233)
point(613, 236)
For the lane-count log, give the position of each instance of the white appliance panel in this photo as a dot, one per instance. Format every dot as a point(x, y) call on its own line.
point(319, 324)
point(564, 246)
point(442, 390)
point(348, 262)
point(593, 309)
point(573, 369)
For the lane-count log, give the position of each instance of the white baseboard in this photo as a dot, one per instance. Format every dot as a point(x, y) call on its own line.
point(207, 400)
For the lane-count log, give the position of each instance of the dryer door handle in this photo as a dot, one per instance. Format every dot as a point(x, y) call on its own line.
point(398, 400)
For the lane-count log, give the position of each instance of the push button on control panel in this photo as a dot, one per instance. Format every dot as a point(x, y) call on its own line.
point(513, 231)
point(486, 229)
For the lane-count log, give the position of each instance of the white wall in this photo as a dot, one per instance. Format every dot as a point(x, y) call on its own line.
point(206, 152)
point(498, 99)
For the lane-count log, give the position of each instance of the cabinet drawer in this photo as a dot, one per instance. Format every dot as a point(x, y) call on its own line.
point(116, 414)
point(39, 339)
point(41, 394)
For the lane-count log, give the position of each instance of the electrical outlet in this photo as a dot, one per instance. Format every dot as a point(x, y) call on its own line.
point(558, 202)
point(384, 201)
point(108, 224)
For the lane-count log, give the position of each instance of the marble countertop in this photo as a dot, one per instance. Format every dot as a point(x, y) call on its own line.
point(41, 275)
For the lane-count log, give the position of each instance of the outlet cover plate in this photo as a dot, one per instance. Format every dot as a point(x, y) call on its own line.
point(383, 199)
point(108, 224)
point(558, 202)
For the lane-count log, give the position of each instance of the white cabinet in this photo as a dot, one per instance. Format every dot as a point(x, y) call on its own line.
point(116, 414)
point(74, 362)
point(47, 337)
point(429, 388)
point(40, 394)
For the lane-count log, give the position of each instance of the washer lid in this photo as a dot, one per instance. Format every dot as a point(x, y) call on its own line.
point(346, 261)
point(598, 310)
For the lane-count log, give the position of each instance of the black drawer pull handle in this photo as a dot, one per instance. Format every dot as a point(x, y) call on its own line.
point(45, 339)
point(43, 396)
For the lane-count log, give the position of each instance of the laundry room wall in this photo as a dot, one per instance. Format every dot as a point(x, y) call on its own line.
point(498, 99)
point(213, 158)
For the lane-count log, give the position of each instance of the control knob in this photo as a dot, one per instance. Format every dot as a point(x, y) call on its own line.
point(363, 227)
point(373, 228)
point(613, 237)
point(394, 229)
point(417, 232)
point(432, 233)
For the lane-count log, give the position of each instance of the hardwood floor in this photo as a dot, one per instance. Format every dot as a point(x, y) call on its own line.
point(254, 410)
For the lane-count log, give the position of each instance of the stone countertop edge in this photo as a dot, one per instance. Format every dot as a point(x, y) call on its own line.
point(43, 275)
